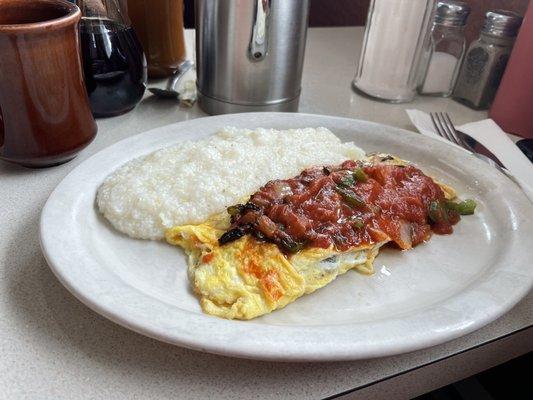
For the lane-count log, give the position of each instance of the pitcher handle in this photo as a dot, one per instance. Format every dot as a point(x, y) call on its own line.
point(259, 42)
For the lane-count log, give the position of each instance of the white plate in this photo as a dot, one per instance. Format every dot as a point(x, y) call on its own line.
point(436, 292)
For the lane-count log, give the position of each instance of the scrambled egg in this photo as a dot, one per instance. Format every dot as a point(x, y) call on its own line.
point(248, 278)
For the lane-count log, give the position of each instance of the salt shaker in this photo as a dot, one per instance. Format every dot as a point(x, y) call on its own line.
point(444, 50)
point(486, 59)
point(395, 32)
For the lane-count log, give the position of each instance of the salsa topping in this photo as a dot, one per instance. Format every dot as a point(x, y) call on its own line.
point(352, 204)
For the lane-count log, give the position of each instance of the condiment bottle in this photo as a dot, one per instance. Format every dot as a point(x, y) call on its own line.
point(113, 60)
point(486, 60)
point(513, 106)
point(445, 49)
point(159, 25)
point(250, 54)
point(394, 35)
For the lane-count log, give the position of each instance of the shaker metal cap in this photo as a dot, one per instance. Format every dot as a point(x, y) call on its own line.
point(450, 12)
point(502, 23)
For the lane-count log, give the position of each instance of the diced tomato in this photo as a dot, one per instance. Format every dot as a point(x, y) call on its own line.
point(327, 205)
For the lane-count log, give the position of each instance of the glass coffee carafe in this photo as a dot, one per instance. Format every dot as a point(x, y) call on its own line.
point(113, 60)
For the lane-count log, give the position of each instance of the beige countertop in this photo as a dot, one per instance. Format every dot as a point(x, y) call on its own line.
point(53, 347)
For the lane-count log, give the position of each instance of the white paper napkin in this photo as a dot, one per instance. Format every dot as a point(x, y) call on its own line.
point(490, 135)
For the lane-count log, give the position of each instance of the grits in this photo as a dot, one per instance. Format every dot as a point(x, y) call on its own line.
point(187, 183)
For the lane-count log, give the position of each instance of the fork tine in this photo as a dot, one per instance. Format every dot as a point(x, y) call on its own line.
point(441, 128)
point(445, 127)
point(459, 140)
point(434, 123)
point(437, 126)
point(451, 130)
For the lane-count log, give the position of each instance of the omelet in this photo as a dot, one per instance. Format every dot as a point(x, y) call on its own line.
point(252, 275)
point(248, 278)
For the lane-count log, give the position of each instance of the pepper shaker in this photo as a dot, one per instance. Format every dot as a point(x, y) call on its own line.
point(486, 59)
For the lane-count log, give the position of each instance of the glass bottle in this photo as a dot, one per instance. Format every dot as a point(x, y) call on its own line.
point(113, 60)
point(159, 25)
point(486, 59)
point(445, 49)
point(394, 35)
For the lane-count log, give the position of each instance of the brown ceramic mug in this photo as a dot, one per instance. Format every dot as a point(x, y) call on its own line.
point(45, 118)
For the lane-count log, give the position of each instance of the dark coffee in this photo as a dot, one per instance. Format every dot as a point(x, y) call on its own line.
point(114, 66)
point(32, 12)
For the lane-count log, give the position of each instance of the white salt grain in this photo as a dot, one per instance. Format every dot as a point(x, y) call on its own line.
point(440, 73)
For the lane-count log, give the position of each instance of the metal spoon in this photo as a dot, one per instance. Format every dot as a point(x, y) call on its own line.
point(170, 91)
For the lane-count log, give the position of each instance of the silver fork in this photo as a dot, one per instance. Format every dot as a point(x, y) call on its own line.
point(446, 129)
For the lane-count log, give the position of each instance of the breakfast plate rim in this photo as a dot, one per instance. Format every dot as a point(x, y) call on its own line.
point(267, 347)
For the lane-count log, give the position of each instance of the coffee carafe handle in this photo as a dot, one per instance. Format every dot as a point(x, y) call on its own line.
point(259, 42)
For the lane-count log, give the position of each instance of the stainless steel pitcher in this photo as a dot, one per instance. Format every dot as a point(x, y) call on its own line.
point(250, 54)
